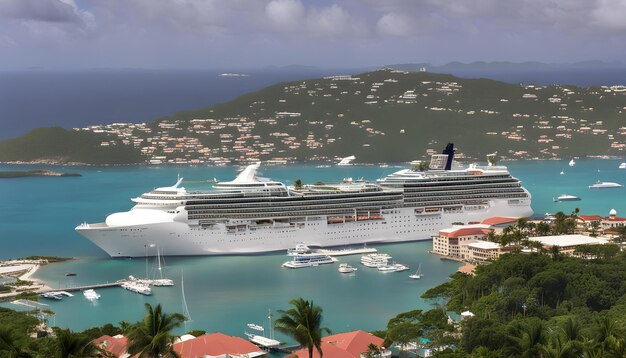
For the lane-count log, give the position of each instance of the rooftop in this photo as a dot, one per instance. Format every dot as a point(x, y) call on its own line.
point(569, 240)
point(344, 345)
point(499, 220)
point(481, 244)
point(216, 344)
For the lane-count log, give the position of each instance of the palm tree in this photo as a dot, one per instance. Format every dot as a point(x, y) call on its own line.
point(303, 323)
point(10, 346)
point(152, 338)
point(542, 229)
point(530, 341)
point(74, 345)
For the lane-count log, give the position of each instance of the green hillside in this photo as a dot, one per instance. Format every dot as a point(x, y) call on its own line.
point(381, 116)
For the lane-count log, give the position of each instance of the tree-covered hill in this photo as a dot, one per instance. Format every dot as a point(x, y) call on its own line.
point(381, 116)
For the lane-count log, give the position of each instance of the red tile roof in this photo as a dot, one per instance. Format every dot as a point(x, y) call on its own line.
point(214, 344)
point(590, 217)
point(499, 220)
point(465, 232)
point(344, 345)
point(115, 345)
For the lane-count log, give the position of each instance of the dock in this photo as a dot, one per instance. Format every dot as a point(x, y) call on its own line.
point(86, 287)
point(345, 252)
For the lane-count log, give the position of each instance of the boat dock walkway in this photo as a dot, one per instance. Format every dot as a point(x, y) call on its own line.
point(86, 287)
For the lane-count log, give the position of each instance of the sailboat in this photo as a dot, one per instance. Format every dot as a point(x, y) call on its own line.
point(185, 308)
point(562, 172)
point(418, 274)
point(571, 163)
point(267, 342)
point(161, 281)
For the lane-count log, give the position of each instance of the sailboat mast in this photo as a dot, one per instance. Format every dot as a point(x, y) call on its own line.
point(185, 308)
point(269, 317)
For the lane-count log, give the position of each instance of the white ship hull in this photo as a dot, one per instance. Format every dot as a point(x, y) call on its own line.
point(176, 238)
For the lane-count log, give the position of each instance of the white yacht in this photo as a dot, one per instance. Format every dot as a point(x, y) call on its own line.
point(622, 166)
point(308, 260)
point(91, 295)
point(346, 160)
point(346, 268)
point(395, 267)
point(566, 197)
point(137, 287)
point(571, 163)
point(299, 249)
point(375, 260)
point(251, 214)
point(605, 185)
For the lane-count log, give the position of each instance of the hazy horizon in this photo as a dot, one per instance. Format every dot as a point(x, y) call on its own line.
point(329, 34)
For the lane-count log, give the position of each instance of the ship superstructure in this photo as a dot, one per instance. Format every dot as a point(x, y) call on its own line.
point(251, 214)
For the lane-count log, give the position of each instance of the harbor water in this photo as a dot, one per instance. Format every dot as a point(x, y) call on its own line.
point(38, 216)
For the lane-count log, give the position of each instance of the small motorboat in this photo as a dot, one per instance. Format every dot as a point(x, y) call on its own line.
point(91, 295)
point(256, 327)
point(571, 163)
point(68, 274)
point(605, 185)
point(345, 268)
point(566, 197)
point(622, 166)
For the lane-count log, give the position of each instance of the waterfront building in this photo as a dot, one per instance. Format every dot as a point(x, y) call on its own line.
point(608, 223)
point(479, 251)
point(448, 242)
point(567, 243)
point(346, 345)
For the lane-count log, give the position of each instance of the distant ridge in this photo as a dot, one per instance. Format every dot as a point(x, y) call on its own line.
point(380, 116)
point(505, 66)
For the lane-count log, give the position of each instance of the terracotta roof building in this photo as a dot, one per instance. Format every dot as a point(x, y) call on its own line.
point(217, 345)
point(115, 345)
point(448, 241)
point(347, 345)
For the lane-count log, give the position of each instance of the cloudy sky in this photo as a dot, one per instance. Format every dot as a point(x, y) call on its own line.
point(326, 33)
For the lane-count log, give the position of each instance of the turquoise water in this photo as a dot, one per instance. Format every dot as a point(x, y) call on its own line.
point(37, 216)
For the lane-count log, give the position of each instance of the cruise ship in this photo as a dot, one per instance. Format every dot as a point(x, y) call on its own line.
point(252, 215)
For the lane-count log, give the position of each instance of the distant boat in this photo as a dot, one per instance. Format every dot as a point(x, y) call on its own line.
point(605, 185)
point(70, 274)
point(395, 267)
point(566, 197)
point(562, 172)
point(346, 160)
point(622, 166)
point(418, 274)
point(572, 163)
point(345, 268)
point(256, 327)
point(91, 295)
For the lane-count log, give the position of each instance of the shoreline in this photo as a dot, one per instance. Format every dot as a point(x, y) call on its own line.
point(37, 285)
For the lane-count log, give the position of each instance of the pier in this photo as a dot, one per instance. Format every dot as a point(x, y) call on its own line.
point(87, 287)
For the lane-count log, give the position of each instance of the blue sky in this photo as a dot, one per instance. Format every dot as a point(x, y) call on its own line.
point(73, 34)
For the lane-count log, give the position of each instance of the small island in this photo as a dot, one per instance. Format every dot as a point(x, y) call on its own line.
point(36, 173)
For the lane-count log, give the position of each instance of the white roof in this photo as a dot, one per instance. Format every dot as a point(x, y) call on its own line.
point(458, 227)
point(481, 244)
point(569, 240)
point(467, 314)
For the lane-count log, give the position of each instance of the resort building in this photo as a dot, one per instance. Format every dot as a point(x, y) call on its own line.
point(347, 345)
point(216, 345)
point(115, 345)
point(567, 243)
point(480, 250)
point(448, 242)
point(583, 222)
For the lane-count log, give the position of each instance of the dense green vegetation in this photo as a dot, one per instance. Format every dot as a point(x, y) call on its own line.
point(384, 128)
point(541, 305)
point(60, 145)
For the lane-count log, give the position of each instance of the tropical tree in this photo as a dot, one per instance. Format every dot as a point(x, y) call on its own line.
point(594, 227)
point(10, 344)
point(542, 229)
point(152, 337)
point(75, 345)
point(530, 340)
point(621, 234)
point(303, 322)
point(298, 183)
point(373, 351)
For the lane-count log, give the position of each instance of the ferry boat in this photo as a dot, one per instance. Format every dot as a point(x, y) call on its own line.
point(251, 214)
point(605, 185)
point(308, 260)
point(566, 197)
point(375, 260)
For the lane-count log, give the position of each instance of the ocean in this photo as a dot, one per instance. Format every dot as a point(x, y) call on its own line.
point(38, 216)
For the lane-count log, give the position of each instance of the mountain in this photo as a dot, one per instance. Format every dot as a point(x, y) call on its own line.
point(381, 116)
point(506, 66)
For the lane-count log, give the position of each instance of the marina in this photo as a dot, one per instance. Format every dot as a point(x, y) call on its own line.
point(226, 293)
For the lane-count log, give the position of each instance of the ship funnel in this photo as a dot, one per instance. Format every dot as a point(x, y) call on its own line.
point(443, 161)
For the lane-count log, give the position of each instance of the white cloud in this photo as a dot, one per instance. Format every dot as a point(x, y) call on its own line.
point(610, 14)
point(285, 15)
point(394, 24)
